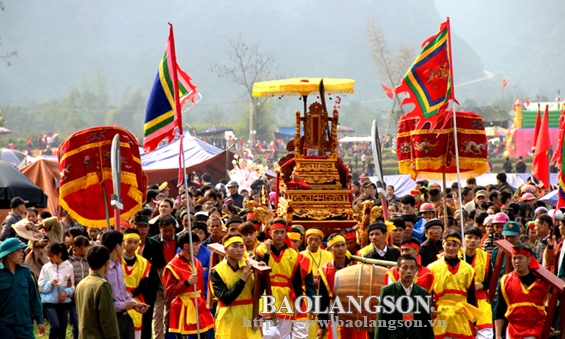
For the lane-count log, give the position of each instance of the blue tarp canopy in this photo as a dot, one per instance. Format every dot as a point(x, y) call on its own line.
point(287, 132)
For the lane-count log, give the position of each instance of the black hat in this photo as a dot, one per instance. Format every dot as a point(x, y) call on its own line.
point(200, 225)
point(377, 226)
point(434, 222)
point(398, 222)
point(141, 219)
point(17, 201)
point(234, 219)
point(367, 184)
point(409, 217)
point(201, 216)
point(257, 184)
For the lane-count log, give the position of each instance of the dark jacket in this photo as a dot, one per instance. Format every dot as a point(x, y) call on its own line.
point(19, 298)
point(391, 254)
point(422, 320)
point(429, 251)
point(7, 231)
point(521, 166)
point(505, 187)
point(507, 166)
point(153, 252)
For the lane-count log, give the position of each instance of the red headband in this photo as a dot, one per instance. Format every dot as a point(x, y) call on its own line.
point(534, 265)
point(350, 235)
point(287, 240)
point(415, 192)
point(410, 244)
point(279, 225)
point(523, 252)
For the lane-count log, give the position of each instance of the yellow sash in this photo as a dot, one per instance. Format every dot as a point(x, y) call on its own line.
point(469, 311)
point(188, 301)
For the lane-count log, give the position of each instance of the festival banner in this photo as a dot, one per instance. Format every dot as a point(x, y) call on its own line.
point(423, 153)
point(429, 82)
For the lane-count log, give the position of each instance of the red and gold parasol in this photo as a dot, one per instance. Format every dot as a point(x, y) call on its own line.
point(424, 154)
point(85, 165)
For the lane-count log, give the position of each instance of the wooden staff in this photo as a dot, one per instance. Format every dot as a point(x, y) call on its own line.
point(258, 272)
point(444, 200)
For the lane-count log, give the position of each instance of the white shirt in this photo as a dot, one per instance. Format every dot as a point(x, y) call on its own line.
point(409, 289)
point(381, 252)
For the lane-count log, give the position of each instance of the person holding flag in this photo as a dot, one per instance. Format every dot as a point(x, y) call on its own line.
point(163, 118)
point(183, 283)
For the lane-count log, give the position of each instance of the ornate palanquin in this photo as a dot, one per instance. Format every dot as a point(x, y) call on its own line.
point(313, 183)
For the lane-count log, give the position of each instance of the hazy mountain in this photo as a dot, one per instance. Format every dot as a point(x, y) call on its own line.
point(58, 42)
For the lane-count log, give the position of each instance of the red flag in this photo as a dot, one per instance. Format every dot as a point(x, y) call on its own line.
point(540, 164)
point(504, 83)
point(536, 131)
point(558, 154)
point(388, 91)
point(527, 103)
point(429, 81)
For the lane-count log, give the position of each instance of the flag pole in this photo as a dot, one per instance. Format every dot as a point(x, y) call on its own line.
point(455, 140)
point(178, 121)
point(189, 231)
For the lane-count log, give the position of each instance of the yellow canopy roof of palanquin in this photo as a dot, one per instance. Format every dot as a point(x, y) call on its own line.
point(302, 86)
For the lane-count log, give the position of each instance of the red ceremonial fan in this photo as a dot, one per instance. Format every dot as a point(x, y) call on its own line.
point(86, 175)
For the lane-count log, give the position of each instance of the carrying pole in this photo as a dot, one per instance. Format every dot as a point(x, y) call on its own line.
point(109, 227)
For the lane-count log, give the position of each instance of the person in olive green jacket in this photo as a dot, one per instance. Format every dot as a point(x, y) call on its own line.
point(399, 325)
point(94, 302)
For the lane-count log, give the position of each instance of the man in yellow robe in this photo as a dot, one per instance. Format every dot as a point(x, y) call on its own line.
point(136, 274)
point(231, 282)
point(454, 291)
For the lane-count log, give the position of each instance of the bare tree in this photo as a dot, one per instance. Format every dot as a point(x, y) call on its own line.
point(8, 55)
point(250, 64)
point(391, 68)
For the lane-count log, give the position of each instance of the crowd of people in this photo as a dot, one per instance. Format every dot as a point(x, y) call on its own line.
point(138, 281)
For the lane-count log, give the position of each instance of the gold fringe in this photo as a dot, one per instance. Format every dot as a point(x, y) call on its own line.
point(133, 193)
point(93, 145)
point(445, 131)
point(472, 167)
point(93, 179)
